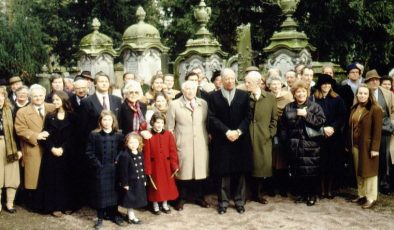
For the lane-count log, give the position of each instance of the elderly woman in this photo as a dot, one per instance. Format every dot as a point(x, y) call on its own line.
point(156, 86)
point(279, 159)
point(132, 111)
point(186, 119)
point(335, 113)
point(365, 125)
point(303, 150)
point(9, 155)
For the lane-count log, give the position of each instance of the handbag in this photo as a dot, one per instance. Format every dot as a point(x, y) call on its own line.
point(314, 133)
point(387, 126)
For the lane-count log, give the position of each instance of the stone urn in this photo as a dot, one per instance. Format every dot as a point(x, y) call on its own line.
point(202, 15)
point(288, 6)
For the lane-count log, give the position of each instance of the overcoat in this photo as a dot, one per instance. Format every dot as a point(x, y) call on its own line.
point(54, 179)
point(389, 98)
point(229, 157)
point(370, 132)
point(132, 174)
point(262, 129)
point(161, 161)
point(189, 127)
point(303, 152)
point(28, 124)
point(126, 116)
point(102, 150)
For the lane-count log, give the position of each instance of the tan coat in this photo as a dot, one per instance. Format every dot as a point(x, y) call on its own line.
point(370, 131)
point(28, 124)
point(9, 171)
point(389, 98)
point(189, 128)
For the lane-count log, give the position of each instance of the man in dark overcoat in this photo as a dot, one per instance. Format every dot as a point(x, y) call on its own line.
point(229, 118)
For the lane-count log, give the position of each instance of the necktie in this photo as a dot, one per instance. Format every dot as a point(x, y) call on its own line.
point(104, 104)
point(192, 105)
point(40, 112)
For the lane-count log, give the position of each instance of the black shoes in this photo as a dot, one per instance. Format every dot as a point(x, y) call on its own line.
point(134, 221)
point(240, 209)
point(118, 221)
point(359, 200)
point(202, 203)
point(98, 224)
point(179, 205)
point(166, 210)
point(222, 210)
point(10, 210)
point(311, 200)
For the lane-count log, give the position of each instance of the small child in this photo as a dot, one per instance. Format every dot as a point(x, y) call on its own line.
point(132, 176)
point(102, 149)
point(161, 165)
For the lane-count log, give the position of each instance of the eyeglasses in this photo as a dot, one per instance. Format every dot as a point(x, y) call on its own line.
point(134, 92)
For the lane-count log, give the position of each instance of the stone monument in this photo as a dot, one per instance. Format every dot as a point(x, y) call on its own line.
point(202, 52)
point(288, 47)
point(141, 50)
point(96, 52)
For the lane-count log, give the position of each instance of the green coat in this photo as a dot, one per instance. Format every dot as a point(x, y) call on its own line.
point(262, 129)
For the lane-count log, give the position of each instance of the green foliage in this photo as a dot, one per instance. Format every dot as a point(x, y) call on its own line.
point(21, 46)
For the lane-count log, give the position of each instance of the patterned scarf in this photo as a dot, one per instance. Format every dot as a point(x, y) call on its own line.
point(8, 125)
point(139, 122)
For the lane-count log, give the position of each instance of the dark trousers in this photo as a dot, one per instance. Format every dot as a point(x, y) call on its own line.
point(384, 163)
point(228, 184)
point(306, 185)
point(191, 188)
point(109, 212)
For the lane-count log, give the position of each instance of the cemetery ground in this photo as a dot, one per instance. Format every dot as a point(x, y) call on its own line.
point(279, 213)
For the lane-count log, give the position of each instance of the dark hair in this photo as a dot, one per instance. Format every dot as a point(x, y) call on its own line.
point(101, 73)
point(158, 94)
point(386, 78)
point(124, 75)
point(303, 69)
point(55, 76)
point(104, 113)
point(65, 101)
point(191, 73)
point(215, 75)
point(157, 116)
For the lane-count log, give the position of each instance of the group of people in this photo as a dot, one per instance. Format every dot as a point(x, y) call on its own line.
point(87, 144)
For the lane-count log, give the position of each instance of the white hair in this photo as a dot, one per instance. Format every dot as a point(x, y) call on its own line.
point(254, 76)
point(81, 83)
point(226, 72)
point(132, 85)
point(189, 84)
point(35, 87)
point(391, 73)
point(274, 78)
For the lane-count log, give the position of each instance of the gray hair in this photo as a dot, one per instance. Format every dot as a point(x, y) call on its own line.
point(227, 71)
point(274, 78)
point(189, 84)
point(81, 82)
point(35, 87)
point(254, 76)
point(22, 88)
point(292, 72)
point(391, 73)
point(130, 85)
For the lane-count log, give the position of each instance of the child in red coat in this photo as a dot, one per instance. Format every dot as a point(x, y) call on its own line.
point(161, 165)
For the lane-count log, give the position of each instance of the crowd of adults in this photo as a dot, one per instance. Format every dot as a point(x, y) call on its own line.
point(265, 136)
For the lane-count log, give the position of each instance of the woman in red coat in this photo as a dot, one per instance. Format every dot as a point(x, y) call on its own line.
point(161, 165)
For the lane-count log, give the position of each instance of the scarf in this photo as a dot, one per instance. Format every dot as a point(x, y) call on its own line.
point(10, 145)
point(139, 122)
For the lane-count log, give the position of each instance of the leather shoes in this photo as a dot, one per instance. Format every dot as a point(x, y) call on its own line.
point(203, 203)
point(311, 201)
point(222, 210)
point(262, 200)
point(118, 221)
point(98, 224)
point(57, 214)
point(134, 221)
point(368, 204)
point(156, 212)
point(299, 199)
point(240, 209)
point(166, 211)
point(359, 200)
point(179, 205)
point(10, 210)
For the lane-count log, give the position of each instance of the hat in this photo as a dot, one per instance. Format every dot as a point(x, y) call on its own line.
point(370, 75)
point(3, 82)
point(87, 75)
point(352, 66)
point(14, 79)
point(324, 79)
point(251, 68)
point(215, 75)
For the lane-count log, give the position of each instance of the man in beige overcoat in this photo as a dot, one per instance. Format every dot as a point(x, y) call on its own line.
point(186, 119)
point(262, 129)
point(29, 123)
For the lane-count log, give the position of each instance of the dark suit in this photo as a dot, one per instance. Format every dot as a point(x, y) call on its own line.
point(126, 116)
point(230, 160)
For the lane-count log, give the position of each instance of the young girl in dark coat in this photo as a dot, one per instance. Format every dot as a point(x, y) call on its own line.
point(132, 176)
point(102, 149)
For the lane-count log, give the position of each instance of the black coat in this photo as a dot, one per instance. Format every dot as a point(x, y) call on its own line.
point(91, 109)
point(102, 150)
point(303, 152)
point(126, 117)
point(54, 178)
point(330, 152)
point(229, 157)
point(132, 174)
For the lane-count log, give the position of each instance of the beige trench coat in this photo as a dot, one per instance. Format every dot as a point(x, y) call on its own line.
point(389, 98)
point(28, 124)
point(9, 171)
point(189, 128)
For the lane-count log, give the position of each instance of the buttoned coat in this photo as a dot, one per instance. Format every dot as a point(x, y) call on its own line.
point(370, 132)
point(189, 127)
point(28, 124)
point(262, 129)
point(389, 98)
point(229, 157)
